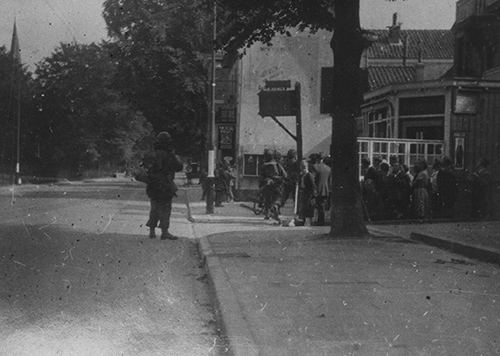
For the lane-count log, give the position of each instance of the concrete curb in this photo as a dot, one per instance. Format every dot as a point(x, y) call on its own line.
point(469, 251)
point(232, 220)
point(228, 310)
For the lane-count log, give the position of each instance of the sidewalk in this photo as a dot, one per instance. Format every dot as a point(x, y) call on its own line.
point(294, 291)
point(479, 240)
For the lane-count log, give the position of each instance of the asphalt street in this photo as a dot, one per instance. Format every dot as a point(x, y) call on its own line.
point(80, 277)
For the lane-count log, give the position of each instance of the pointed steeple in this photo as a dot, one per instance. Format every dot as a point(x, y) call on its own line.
point(15, 51)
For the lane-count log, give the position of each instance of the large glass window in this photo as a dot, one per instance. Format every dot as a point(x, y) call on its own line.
point(422, 118)
point(406, 151)
point(380, 124)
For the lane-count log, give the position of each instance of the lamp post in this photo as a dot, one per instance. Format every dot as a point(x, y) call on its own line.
point(16, 98)
point(211, 121)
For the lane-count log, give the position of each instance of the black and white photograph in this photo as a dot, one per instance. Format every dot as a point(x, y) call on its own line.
point(250, 177)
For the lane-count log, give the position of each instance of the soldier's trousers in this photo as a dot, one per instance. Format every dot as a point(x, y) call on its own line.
point(160, 212)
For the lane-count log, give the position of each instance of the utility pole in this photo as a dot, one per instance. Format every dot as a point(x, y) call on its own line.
point(16, 98)
point(211, 120)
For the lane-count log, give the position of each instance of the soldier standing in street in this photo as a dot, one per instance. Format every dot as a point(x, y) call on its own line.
point(161, 187)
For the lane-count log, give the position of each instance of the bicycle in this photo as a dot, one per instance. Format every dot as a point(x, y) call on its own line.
point(258, 204)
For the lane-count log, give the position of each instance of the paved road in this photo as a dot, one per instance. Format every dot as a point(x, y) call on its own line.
point(80, 277)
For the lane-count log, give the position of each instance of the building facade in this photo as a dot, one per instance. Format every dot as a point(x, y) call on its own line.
point(397, 56)
point(456, 114)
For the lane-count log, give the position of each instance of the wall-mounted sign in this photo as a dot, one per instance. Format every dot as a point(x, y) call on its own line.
point(226, 137)
point(466, 103)
point(277, 103)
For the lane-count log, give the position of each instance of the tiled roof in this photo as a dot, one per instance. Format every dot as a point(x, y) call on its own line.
point(380, 76)
point(433, 44)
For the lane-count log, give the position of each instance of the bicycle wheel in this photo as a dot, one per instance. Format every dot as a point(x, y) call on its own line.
point(257, 208)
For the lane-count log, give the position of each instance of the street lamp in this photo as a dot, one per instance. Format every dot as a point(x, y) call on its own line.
point(211, 121)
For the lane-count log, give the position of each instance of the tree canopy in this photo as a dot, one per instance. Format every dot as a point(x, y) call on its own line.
point(249, 21)
point(161, 49)
point(83, 123)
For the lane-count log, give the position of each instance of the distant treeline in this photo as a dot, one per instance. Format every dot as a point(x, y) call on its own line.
point(91, 109)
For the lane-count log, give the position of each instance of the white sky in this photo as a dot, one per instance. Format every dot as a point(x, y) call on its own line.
point(43, 24)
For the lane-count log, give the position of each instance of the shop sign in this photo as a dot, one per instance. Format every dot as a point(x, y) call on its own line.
point(226, 137)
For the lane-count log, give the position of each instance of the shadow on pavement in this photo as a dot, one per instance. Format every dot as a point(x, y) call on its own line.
point(66, 289)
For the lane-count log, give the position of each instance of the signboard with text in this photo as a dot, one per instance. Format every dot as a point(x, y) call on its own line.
point(226, 137)
point(277, 103)
point(466, 103)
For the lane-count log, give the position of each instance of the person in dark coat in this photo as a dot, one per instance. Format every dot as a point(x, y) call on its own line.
point(421, 186)
point(403, 182)
point(307, 194)
point(271, 179)
point(372, 187)
point(389, 192)
point(323, 180)
point(482, 190)
point(160, 186)
point(447, 186)
point(293, 173)
point(220, 183)
point(203, 183)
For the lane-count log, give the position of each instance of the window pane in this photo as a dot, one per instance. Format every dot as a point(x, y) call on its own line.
point(250, 164)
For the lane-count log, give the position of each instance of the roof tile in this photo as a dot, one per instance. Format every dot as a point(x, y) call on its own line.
point(433, 44)
point(380, 76)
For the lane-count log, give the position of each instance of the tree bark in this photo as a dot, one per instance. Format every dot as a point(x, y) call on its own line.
point(347, 45)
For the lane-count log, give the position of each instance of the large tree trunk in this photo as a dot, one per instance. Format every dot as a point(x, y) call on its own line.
point(347, 45)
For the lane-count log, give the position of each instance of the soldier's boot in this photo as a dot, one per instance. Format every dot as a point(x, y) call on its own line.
point(165, 235)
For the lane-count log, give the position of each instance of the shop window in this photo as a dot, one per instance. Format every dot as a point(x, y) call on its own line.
point(406, 152)
point(251, 164)
point(422, 118)
point(380, 124)
point(423, 105)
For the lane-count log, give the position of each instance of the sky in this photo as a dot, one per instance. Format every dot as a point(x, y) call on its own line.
point(43, 24)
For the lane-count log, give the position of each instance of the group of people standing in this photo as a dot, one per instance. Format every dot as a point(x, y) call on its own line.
point(225, 176)
point(390, 190)
point(308, 181)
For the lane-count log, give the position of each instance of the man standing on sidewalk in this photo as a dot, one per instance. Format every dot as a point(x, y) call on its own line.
point(323, 183)
point(293, 172)
point(161, 187)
